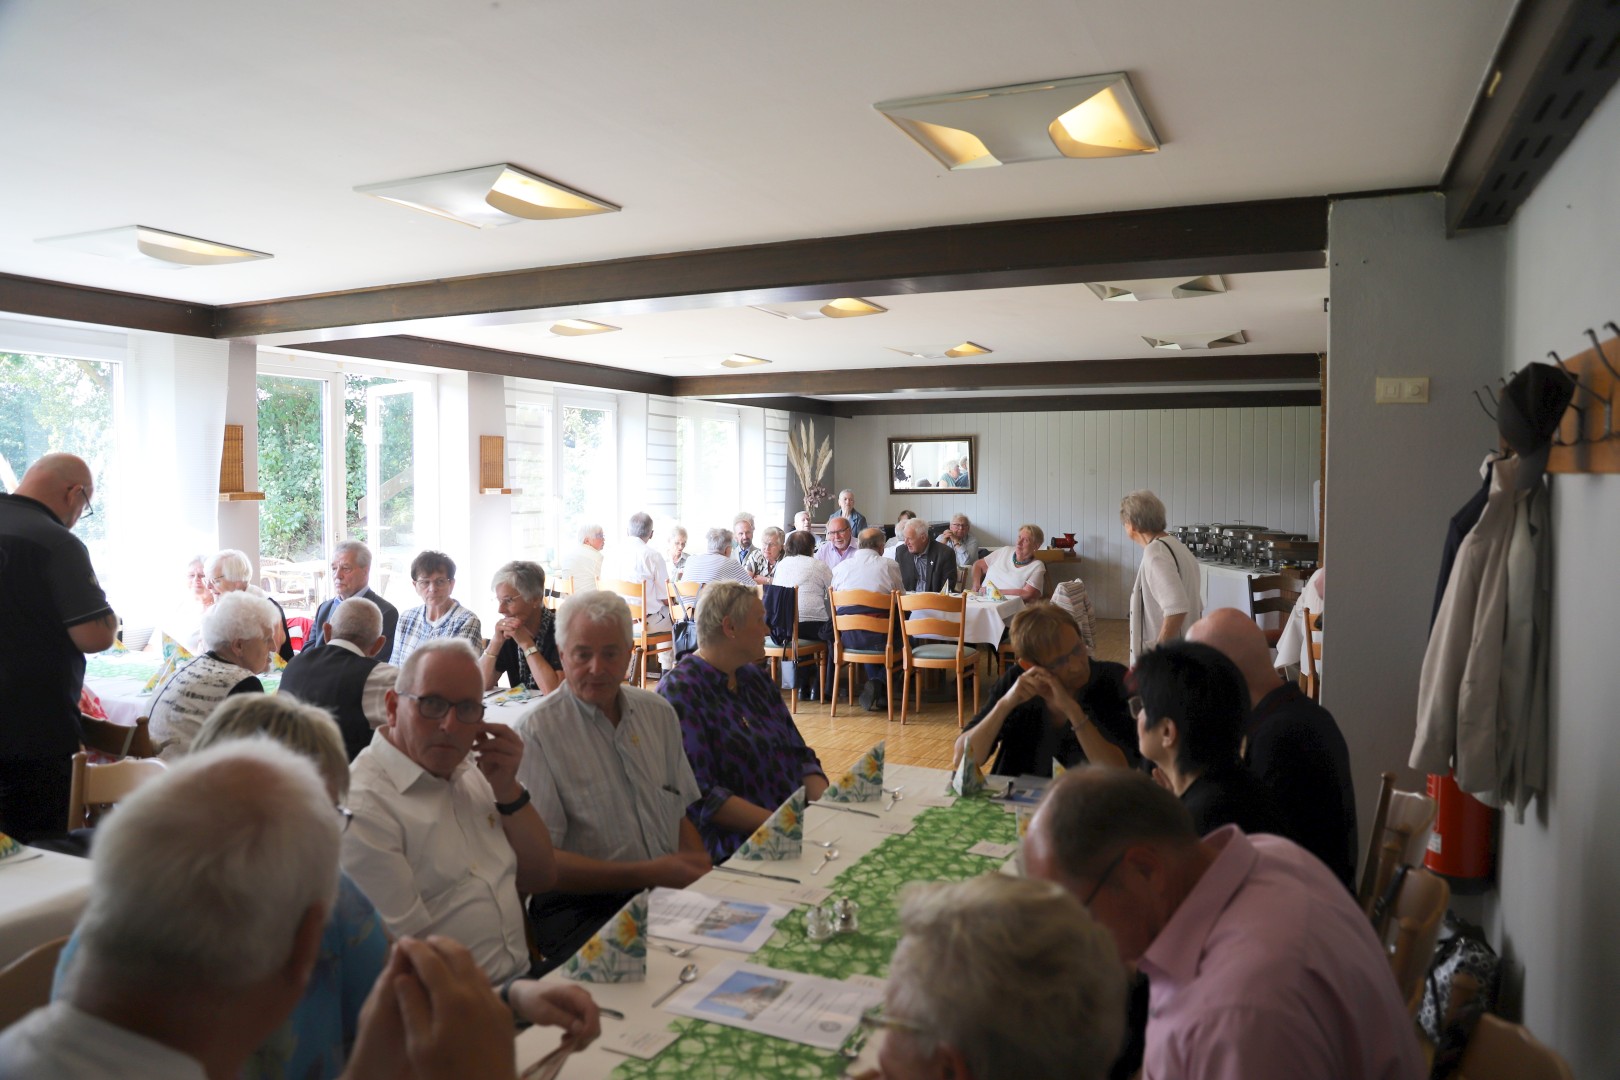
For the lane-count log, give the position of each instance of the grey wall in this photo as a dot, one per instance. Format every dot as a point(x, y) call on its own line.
point(1560, 870)
point(793, 498)
point(1406, 302)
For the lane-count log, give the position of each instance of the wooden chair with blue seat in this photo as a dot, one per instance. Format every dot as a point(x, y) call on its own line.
point(789, 648)
point(926, 615)
point(880, 621)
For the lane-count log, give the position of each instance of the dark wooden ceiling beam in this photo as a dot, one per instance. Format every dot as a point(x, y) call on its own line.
point(812, 406)
point(1213, 399)
point(81, 303)
point(457, 357)
point(969, 377)
point(1232, 238)
point(1555, 63)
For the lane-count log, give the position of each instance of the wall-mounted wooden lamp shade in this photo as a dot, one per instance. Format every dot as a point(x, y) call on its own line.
point(231, 483)
point(492, 466)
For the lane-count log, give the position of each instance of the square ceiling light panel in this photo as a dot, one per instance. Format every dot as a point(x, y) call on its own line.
point(488, 196)
point(1089, 116)
point(941, 352)
point(581, 328)
point(1158, 289)
point(742, 360)
point(1183, 342)
point(153, 247)
point(844, 307)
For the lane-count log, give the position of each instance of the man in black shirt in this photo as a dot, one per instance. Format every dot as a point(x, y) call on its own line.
point(1056, 703)
point(1292, 746)
point(52, 612)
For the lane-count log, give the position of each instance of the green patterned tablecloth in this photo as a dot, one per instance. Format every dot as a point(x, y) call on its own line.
point(934, 850)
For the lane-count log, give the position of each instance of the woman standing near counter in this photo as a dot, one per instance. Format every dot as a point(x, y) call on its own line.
point(1167, 596)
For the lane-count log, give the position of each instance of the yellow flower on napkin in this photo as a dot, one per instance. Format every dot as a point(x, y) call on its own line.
point(592, 949)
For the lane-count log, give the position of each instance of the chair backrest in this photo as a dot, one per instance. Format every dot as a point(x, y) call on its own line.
point(559, 587)
point(1072, 597)
point(1312, 654)
point(1413, 928)
point(882, 623)
point(1402, 822)
point(100, 785)
point(117, 740)
point(686, 595)
point(25, 983)
point(298, 628)
point(932, 604)
point(1499, 1050)
point(634, 594)
point(1283, 603)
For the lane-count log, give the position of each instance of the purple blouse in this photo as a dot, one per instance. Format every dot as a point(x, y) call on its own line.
point(740, 742)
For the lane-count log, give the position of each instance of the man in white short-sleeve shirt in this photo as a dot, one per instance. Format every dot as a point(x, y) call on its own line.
point(633, 559)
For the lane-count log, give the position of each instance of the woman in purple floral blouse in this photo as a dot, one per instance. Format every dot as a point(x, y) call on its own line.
point(740, 738)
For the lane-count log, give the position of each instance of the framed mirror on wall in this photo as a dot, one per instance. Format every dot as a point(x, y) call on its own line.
point(942, 463)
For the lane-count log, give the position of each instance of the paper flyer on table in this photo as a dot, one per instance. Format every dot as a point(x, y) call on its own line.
point(782, 1004)
point(722, 922)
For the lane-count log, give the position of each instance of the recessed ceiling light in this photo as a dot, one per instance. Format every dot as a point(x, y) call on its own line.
point(940, 352)
point(845, 307)
point(488, 196)
point(154, 247)
point(1182, 342)
point(736, 360)
point(1158, 288)
point(1089, 116)
point(581, 328)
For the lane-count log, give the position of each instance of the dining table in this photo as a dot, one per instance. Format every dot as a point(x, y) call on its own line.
point(923, 835)
point(119, 677)
point(42, 895)
point(986, 618)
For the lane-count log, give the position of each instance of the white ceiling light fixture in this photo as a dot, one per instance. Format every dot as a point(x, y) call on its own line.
point(146, 246)
point(488, 196)
point(1158, 289)
point(1183, 342)
point(1089, 116)
point(941, 352)
point(741, 360)
point(581, 328)
point(845, 307)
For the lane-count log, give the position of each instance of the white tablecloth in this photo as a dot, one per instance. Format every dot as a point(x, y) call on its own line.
point(1291, 646)
point(986, 619)
point(42, 895)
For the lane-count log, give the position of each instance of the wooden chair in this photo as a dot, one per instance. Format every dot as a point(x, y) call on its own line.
point(1499, 1050)
point(939, 655)
point(1281, 605)
point(796, 651)
point(877, 624)
point(116, 740)
point(558, 589)
point(1311, 672)
point(634, 594)
point(25, 983)
point(102, 785)
point(1402, 822)
point(1412, 926)
point(684, 595)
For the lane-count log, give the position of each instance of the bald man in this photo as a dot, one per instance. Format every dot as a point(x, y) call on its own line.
point(52, 612)
point(1292, 746)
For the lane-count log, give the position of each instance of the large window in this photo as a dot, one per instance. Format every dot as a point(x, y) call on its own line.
point(707, 472)
point(528, 464)
point(590, 476)
point(562, 456)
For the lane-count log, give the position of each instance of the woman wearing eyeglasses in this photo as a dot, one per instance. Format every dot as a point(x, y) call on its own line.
point(433, 573)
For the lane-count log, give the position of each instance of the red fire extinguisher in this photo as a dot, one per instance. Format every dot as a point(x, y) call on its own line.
point(1462, 847)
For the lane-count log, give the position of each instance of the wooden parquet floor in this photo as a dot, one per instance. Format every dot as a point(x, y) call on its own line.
point(927, 737)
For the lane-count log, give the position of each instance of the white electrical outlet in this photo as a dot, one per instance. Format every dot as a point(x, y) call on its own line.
point(1392, 391)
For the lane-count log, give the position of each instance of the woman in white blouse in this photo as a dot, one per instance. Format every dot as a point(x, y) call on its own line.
point(1167, 597)
point(1015, 570)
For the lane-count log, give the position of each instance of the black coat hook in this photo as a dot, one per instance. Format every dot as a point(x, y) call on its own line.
point(1482, 404)
point(1602, 356)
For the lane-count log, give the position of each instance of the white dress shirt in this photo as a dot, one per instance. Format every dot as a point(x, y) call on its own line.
point(633, 559)
point(584, 565)
point(1004, 574)
point(432, 857)
point(812, 578)
point(707, 566)
point(60, 1040)
point(616, 793)
point(378, 683)
point(867, 570)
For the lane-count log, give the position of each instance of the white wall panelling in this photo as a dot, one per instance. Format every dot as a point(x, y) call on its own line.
point(1066, 472)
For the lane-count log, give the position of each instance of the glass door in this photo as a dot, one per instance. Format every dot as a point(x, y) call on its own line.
point(394, 514)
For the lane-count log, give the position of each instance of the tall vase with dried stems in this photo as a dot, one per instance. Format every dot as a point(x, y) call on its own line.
point(809, 463)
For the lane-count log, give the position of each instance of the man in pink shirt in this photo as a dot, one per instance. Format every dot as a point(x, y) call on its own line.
point(1261, 965)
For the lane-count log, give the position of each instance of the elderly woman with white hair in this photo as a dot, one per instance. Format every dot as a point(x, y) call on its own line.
point(239, 632)
point(1168, 594)
point(231, 571)
point(744, 748)
point(1014, 569)
point(524, 645)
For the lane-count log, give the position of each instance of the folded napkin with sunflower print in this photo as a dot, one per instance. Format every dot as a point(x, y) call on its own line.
point(863, 782)
point(782, 835)
point(174, 657)
point(968, 779)
point(618, 951)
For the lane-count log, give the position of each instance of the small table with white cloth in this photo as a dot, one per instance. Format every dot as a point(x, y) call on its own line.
point(986, 619)
point(119, 679)
point(42, 895)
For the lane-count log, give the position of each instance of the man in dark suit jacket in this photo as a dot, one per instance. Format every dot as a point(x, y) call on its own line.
point(351, 576)
point(925, 565)
point(345, 675)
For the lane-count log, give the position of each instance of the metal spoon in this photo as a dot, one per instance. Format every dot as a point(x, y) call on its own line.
point(832, 853)
point(689, 973)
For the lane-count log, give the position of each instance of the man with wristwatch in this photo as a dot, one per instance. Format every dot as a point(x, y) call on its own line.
point(444, 837)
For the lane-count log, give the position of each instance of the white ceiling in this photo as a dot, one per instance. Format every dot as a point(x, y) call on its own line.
point(715, 123)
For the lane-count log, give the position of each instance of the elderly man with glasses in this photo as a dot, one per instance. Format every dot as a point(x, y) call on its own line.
point(444, 836)
point(840, 543)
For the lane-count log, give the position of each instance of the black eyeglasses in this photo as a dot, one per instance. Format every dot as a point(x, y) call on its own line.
point(1107, 873)
point(89, 511)
point(434, 707)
